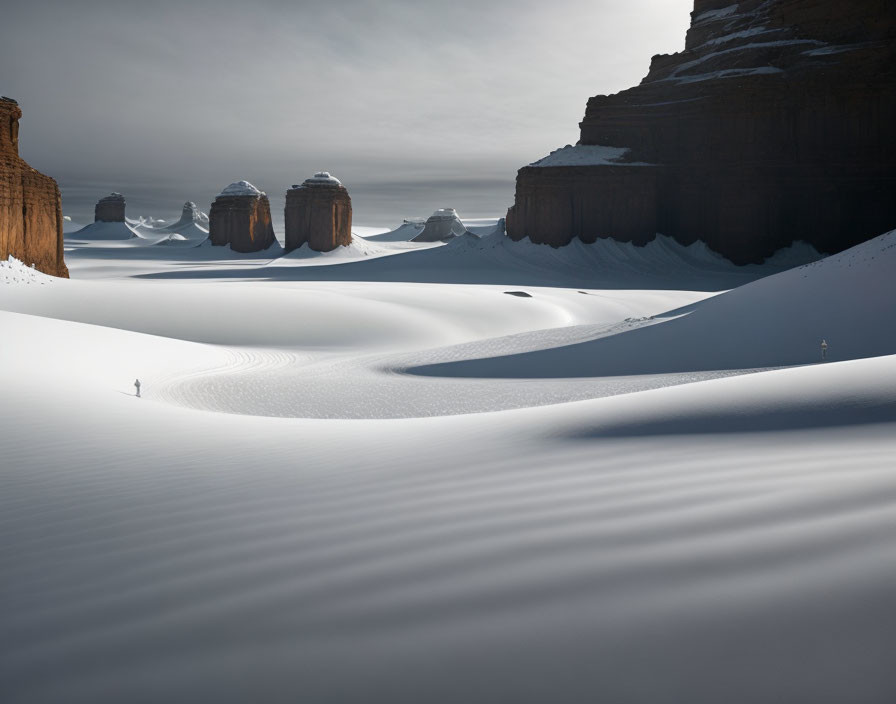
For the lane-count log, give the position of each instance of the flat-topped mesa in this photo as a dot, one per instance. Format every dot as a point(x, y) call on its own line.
point(30, 203)
point(773, 125)
point(241, 217)
point(110, 208)
point(441, 226)
point(318, 212)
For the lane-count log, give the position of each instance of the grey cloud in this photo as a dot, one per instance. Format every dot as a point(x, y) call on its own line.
point(180, 98)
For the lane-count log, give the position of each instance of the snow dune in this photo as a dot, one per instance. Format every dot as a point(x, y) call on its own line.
point(508, 548)
point(104, 231)
point(495, 259)
point(619, 506)
point(776, 321)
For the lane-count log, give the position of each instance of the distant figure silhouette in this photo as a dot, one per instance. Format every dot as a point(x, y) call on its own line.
point(137, 386)
point(824, 352)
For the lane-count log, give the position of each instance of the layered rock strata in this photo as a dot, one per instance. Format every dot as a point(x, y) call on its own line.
point(319, 214)
point(773, 125)
point(241, 218)
point(110, 208)
point(30, 203)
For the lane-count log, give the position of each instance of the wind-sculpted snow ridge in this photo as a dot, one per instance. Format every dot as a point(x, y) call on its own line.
point(410, 229)
point(104, 231)
point(495, 259)
point(13, 271)
point(776, 321)
point(405, 232)
point(608, 259)
point(192, 224)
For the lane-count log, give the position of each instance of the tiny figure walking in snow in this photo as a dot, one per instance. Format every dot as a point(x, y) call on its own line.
point(824, 352)
point(137, 386)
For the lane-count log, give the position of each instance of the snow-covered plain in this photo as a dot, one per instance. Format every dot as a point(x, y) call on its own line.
point(478, 471)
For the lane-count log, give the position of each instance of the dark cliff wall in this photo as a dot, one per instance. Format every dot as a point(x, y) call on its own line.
point(775, 124)
point(243, 222)
point(319, 215)
point(30, 204)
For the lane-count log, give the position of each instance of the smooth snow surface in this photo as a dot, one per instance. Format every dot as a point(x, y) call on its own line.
point(774, 322)
point(241, 188)
point(586, 155)
point(378, 477)
point(104, 231)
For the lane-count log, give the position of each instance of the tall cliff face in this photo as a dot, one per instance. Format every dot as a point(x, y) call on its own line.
point(30, 204)
point(773, 125)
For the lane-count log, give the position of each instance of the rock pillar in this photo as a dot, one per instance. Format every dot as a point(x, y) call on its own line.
point(241, 217)
point(319, 213)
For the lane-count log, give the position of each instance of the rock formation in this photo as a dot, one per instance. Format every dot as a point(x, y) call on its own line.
point(190, 215)
point(442, 225)
point(30, 203)
point(775, 124)
point(110, 209)
point(241, 217)
point(318, 212)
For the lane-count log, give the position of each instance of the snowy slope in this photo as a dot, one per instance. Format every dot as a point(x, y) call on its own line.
point(540, 541)
point(776, 321)
point(497, 260)
point(98, 231)
point(405, 232)
point(287, 515)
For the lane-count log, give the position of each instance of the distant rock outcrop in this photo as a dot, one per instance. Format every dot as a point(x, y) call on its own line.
point(241, 217)
point(319, 213)
point(190, 215)
point(30, 203)
point(441, 226)
point(773, 125)
point(192, 225)
point(110, 208)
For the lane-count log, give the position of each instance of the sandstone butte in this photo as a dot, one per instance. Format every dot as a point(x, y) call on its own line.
point(111, 208)
point(319, 213)
point(775, 124)
point(241, 217)
point(30, 203)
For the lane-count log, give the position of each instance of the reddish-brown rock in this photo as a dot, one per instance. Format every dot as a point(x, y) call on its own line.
point(241, 217)
point(319, 213)
point(110, 209)
point(30, 203)
point(774, 125)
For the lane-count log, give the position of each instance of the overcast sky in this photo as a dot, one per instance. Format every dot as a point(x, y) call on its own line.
point(414, 105)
